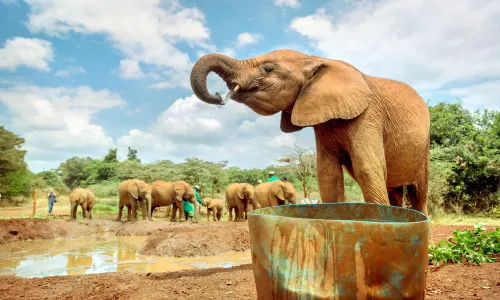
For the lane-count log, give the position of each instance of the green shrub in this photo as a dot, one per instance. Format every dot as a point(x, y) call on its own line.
point(476, 246)
point(103, 207)
point(105, 189)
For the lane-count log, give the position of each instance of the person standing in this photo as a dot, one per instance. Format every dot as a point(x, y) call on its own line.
point(52, 199)
point(188, 206)
point(272, 177)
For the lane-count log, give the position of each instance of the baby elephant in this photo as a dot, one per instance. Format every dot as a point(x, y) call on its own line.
point(83, 197)
point(213, 205)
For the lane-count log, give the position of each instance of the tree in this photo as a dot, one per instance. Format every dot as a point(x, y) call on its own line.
point(302, 162)
point(132, 154)
point(111, 156)
point(72, 171)
point(450, 124)
point(11, 159)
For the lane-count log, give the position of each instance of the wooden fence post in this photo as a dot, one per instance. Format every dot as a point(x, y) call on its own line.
point(34, 201)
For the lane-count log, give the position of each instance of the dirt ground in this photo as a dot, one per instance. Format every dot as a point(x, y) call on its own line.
point(448, 282)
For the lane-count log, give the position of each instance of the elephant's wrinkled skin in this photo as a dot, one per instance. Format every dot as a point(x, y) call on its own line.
point(173, 193)
point(274, 193)
point(83, 197)
point(130, 191)
point(215, 206)
point(239, 197)
point(375, 128)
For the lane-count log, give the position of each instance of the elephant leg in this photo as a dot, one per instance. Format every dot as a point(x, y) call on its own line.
point(89, 209)
point(330, 177)
point(369, 166)
point(120, 210)
point(133, 208)
point(129, 213)
point(417, 194)
point(236, 214)
point(84, 210)
point(241, 210)
point(144, 210)
point(230, 209)
point(396, 196)
point(74, 207)
point(173, 212)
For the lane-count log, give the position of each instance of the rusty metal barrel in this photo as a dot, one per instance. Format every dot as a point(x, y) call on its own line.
point(339, 251)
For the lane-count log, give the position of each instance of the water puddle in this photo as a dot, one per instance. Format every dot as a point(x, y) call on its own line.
point(91, 255)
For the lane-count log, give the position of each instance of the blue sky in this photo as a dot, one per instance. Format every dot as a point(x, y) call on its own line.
point(80, 77)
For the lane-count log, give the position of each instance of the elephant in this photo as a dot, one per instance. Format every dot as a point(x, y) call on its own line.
point(274, 193)
point(130, 191)
point(215, 206)
point(239, 196)
point(83, 197)
point(376, 129)
point(173, 193)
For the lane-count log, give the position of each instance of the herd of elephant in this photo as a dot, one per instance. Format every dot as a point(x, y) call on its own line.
point(241, 198)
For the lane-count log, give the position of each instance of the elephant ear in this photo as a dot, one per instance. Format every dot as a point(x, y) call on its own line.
point(241, 191)
point(133, 189)
point(286, 124)
point(335, 90)
point(278, 190)
point(180, 190)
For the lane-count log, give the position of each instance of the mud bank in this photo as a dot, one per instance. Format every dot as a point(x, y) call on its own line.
point(197, 241)
point(31, 229)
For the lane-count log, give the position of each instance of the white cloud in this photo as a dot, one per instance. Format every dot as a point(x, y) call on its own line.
point(73, 70)
point(289, 3)
point(149, 146)
point(145, 31)
point(190, 127)
point(56, 122)
point(428, 44)
point(31, 53)
point(483, 95)
point(246, 38)
point(130, 69)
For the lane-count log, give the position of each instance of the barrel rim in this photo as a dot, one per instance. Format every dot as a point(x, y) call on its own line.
point(255, 213)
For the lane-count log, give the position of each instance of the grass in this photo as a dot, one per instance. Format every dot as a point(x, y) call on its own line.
point(461, 219)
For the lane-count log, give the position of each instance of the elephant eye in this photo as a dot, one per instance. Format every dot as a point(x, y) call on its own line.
point(268, 68)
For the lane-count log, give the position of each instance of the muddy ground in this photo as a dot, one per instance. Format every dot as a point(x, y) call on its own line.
point(171, 239)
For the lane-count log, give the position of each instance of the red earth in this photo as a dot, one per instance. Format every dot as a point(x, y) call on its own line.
point(447, 282)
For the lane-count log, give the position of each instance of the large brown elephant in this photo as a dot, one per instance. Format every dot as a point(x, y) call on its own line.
point(239, 197)
point(83, 197)
point(216, 206)
point(173, 193)
point(274, 193)
point(375, 128)
point(130, 192)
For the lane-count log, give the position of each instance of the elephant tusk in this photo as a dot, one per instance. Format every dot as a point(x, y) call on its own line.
point(236, 88)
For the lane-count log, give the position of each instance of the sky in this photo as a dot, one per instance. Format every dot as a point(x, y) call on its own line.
point(80, 77)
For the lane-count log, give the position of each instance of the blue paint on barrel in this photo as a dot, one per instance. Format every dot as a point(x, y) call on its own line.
point(349, 250)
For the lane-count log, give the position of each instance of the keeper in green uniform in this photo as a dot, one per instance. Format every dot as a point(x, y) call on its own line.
point(188, 206)
point(272, 177)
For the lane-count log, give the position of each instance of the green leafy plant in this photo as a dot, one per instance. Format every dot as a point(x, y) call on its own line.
point(477, 246)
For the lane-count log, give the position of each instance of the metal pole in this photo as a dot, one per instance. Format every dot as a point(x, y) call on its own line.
point(34, 201)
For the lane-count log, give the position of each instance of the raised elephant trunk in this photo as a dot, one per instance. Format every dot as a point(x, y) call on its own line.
point(223, 65)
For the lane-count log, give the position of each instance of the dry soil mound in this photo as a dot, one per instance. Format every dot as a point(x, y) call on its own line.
point(30, 229)
point(197, 241)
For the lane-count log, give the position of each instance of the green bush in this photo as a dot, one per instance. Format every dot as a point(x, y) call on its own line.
point(105, 189)
point(103, 207)
point(476, 246)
